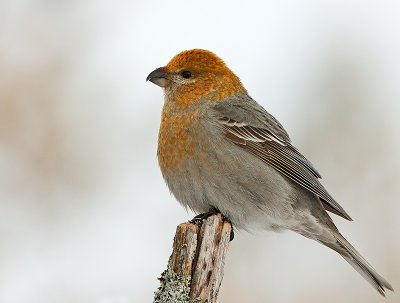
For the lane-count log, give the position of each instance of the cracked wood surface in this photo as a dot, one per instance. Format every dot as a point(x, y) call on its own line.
point(198, 254)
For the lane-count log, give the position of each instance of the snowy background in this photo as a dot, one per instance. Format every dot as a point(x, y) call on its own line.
point(84, 213)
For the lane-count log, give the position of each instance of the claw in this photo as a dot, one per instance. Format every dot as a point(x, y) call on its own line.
point(198, 220)
point(232, 235)
point(201, 217)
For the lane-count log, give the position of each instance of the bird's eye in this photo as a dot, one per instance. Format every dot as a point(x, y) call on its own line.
point(186, 74)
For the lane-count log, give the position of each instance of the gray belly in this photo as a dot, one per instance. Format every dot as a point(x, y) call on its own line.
point(246, 190)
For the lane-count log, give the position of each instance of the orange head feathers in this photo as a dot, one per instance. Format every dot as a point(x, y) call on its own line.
point(196, 76)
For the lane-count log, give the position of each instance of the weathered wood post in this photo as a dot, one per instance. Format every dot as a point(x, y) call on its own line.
point(195, 268)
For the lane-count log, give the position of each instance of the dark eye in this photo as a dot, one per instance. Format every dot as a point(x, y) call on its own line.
point(186, 74)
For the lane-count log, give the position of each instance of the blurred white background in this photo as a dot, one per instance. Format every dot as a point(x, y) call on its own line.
point(84, 213)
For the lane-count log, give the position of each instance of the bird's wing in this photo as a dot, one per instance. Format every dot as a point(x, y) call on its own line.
point(275, 149)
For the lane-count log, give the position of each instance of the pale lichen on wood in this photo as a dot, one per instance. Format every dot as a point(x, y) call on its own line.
point(173, 288)
point(195, 268)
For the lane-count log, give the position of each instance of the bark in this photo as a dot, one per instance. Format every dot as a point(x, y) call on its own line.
point(195, 268)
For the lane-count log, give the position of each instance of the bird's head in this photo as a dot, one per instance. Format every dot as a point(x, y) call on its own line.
point(196, 76)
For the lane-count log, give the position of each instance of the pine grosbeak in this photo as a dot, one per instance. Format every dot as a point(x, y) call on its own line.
point(218, 149)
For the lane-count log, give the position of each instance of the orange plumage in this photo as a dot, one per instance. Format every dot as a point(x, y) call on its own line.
point(218, 149)
point(210, 77)
point(175, 139)
point(211, 81)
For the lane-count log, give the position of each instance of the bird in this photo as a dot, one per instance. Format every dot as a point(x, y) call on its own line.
point(221, 151)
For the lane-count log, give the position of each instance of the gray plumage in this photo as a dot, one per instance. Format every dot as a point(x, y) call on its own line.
point(219, 149)
point(258, 180)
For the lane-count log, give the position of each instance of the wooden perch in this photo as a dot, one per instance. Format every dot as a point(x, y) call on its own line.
point(195, 268)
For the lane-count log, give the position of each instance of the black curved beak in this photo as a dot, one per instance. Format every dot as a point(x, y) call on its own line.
point(158, 77)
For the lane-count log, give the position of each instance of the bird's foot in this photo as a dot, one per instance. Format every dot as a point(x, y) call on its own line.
point(201, 217)
point(232, 234)
point(198, 220)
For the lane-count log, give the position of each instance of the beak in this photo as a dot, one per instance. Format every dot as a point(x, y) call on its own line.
point(158, 77)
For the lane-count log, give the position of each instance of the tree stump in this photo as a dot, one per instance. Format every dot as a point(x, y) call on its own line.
point(195, 268)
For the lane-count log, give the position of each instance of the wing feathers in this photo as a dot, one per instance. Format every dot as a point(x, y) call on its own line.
point(281, 155)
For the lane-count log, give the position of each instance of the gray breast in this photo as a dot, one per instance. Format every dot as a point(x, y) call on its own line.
point(242, 187)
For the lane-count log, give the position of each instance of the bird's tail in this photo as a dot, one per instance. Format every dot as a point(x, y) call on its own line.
point(353, 257)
